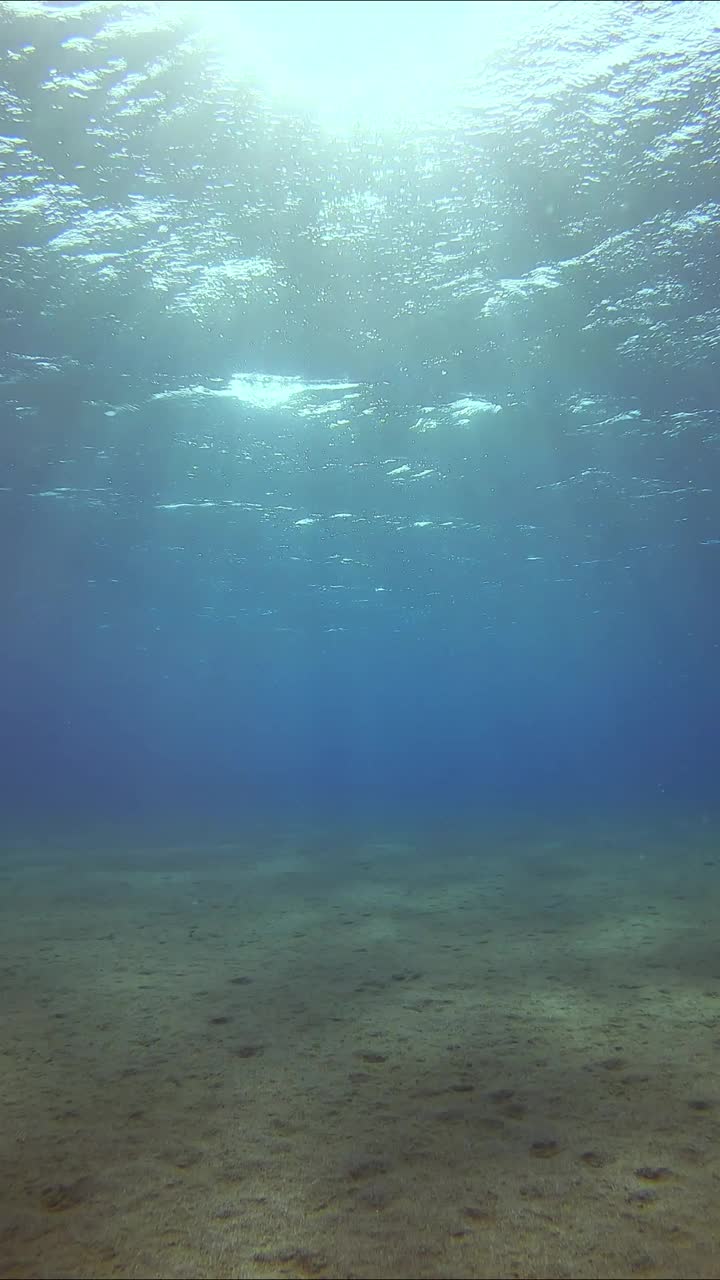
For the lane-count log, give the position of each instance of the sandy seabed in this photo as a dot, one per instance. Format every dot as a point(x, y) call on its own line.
point(305, 1056)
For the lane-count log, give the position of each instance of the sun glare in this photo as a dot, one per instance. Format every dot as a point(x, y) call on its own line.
point(366, 62)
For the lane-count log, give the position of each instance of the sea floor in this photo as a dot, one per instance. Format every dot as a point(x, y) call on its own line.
point(305, 1056)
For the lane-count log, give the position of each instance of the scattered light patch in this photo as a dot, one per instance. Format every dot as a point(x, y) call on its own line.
point(264, 392)
point(78, 85)
point(459, 413)
point(213, 283)
point(599, 411)
point(680, 421)
point(241, 268)
point(351, 219)
point(539, 280)
point(671, 493)
point(44, 364)
point(23, 206)
point(185, 393)
point(95, 229)
point(79, 43)
point(584, 405)
point(260, 391)
point(534, 557)
point(704, 217)
point(175, 506)
point(603, 479)
point(342, 515)
point(112, 410)
point(97, 259)
point(422, 524)
point(86, 495)
point(469, 407)
point(331, 406)
point(630, 416)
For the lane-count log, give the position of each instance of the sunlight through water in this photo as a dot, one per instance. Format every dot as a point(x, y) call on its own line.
point(363, 63)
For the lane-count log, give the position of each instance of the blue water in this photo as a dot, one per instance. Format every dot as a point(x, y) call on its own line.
point(359, 470)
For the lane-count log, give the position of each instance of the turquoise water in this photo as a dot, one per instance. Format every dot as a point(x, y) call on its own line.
point(360, 562)
point(359, 465)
